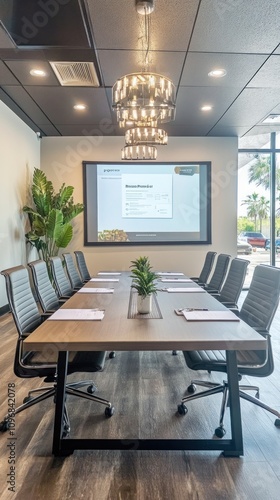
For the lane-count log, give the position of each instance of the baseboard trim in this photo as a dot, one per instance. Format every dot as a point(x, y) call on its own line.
point(4, 309)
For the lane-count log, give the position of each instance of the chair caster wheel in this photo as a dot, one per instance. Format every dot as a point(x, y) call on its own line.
point(4, 426)
point(66, 431)
point(191, 389)
point(91, 389)
point(27, 399)
point(182, 409)
point(174, 353)
point(109, 411)
point(112, 355)
point(277, 422)
point(220, 432)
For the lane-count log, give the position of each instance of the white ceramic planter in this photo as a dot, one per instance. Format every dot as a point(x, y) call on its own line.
point(144, 305)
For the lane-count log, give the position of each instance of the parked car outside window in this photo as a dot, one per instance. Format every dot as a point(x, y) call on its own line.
point(243, 247)
point(277, 244)
point(255, 239)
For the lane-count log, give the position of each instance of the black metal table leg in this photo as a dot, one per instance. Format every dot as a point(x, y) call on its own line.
point(234, 403)
point(59, 403)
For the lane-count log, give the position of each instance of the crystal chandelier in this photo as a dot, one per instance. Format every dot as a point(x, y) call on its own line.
point(143, 101)
point(146, 135)
point(139, 153)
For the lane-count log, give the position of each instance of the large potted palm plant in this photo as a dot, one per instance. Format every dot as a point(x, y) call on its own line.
point(144, 282)
point(50, 217)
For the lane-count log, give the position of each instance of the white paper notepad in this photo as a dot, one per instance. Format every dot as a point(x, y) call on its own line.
point(108, 273)
point(176, 280)
point(104, 279)
point(77, 314)
point(187, 290)
point(210, 316)
point(96, 290)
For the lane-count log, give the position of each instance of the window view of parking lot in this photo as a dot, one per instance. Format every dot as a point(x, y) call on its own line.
point(255, 201)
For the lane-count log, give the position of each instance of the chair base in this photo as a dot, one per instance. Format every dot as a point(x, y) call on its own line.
point(71, 389)
point(214, 388)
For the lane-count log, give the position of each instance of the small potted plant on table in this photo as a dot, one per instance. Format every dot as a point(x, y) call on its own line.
point(144, 282)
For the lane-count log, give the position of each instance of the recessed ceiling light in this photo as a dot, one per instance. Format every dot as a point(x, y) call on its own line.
point(37, 72)
point(80, 107)
point(217, 73)
point(207, 107)
point(272, 119)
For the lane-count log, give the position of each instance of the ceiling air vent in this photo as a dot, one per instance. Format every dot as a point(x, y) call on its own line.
point(75, 74)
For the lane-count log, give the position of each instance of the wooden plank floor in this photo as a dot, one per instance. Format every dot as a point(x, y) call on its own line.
point(145, 389)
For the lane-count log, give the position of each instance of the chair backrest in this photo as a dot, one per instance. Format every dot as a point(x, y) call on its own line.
point(72, 272)
point(46, 294)
point(258, 310)
point(261, 302)
point(81, 265)
point(62, 284)
point(27, 317)
point(207, 267)
point(234, 281)
point(219, 273)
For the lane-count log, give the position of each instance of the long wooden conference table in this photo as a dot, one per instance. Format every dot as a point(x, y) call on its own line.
point(123, 330)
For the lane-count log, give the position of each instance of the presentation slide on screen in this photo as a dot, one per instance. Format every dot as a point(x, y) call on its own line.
point(146, 202)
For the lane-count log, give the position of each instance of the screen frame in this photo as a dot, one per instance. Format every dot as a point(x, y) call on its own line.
point(208, 239)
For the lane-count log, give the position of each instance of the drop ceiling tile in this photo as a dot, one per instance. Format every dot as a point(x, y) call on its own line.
point(58, 102)
point(116, 63)
point(6, 41)
point(268, 75)
point(224, 131)
point(171, 24)
point(21, 70)
point(174, 129)
point(263, 129)
point(26, 103)
point(251, 106)
point(191, 99)
point(6, 77)
point(245, 26)
point(240, 69)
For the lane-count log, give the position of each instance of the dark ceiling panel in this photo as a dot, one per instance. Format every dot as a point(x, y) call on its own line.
point(191, 99)
point(245, 26)
point(26, 103)
point(171, 24)
point(251, 107)
point(33, 23)
point(6, 77)
point(58, 102)
point(240, 69)
point(116, 63)
point(21, 69)
point(6, 41)
point(238, 35)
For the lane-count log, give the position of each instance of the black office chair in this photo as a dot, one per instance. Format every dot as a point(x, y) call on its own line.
point(61, 281)
point(206, 270)
point(72, 273)
point(233, 284)
point(218, 277)
point(46, 294)
point(258, 311)
point(82, 267)
point(44, 365)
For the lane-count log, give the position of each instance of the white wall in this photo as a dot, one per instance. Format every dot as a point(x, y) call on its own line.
point(19, 155)
point(61, 160)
